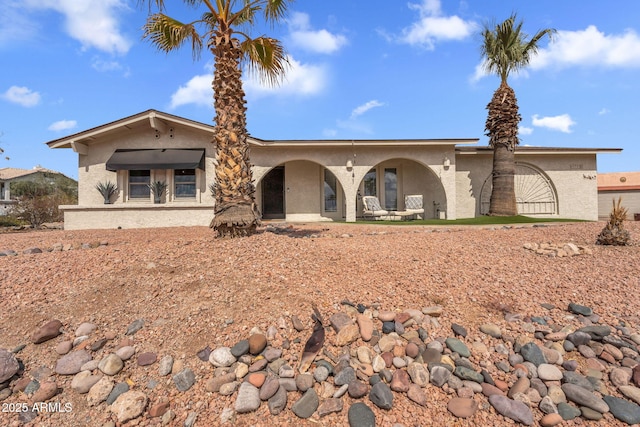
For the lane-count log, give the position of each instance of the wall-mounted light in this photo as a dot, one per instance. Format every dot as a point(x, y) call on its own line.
point(446, 162)
point(349, 165)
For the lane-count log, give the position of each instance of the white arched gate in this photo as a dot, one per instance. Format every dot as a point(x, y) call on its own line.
point(534, 193)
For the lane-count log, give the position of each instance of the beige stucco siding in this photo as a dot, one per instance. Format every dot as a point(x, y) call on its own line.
point(140, 216)
point(572, 178)
point(92, 166)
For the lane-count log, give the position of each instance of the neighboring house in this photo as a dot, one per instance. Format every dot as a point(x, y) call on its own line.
point(611, 186)
point(13, 175)
point(311, 180)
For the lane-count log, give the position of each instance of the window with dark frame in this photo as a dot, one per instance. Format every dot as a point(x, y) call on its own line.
point(184, 183)
point(139, 181)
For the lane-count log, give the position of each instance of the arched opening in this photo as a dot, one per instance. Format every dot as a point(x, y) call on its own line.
point(300, 190)
point(535, 194)
point(394, 179)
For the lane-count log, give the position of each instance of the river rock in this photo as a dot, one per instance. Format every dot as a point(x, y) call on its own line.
point(580, 309)
point(584, 397)
point(111, 364)
point(278, 402)
point(457, 346)
point(184, 379)
point(9, 365)
point(49, 330)
point(548, 372)
point(360, 415)
point(330, 406)
point(381, 396)
point(532, 353)
point(222, 357)
point(46, 391)
point(622, 409)
point(257, 343)
point(99, 392)
point(83, 381)
point(365, 325)
point(248, 399)
point(462, 407)
point(306, 405)
point(86, 328)
point(71, 363)
point(512, 409)
point(129, 405)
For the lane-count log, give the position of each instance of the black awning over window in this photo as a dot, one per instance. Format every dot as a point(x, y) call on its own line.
point(156, 159)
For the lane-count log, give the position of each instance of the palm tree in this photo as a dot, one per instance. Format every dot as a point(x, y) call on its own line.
point(235, 212)
point(505, 49)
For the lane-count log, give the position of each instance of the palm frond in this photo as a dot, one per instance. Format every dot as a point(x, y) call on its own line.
point(169, 34)
point(265, 57)
point(506, 46)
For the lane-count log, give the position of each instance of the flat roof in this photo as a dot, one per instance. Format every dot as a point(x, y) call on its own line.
point(528, 149)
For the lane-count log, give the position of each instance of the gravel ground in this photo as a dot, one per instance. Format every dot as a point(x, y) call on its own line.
point(195, 291)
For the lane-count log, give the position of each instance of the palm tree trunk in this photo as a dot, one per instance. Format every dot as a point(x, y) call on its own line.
point(503, 195)
point(502, 128)
point(235, 212)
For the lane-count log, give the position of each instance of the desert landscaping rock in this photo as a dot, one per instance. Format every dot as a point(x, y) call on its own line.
point(47, 331)
point(135, 326)
point(111, 364)
point(381, 396)
point(9, 365)
point(512, 409)
point(584, 397)
point(71, 363)
point(462, 407)
point(129, 405)
point(184, 379)
point(622, 409)
point(307, 404)
point(248, 398)
point(412, 357)
point(360, 415)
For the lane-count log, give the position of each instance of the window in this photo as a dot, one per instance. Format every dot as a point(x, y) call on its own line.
point(139, 181)
point(370, 183)
point(330, 194)
point(184, 183)
point(390, 189)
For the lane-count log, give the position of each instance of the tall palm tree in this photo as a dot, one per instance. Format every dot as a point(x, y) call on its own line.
point(506, 48)
point(219, 29)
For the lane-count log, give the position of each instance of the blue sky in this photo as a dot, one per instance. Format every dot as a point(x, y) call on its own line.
point(360, 69)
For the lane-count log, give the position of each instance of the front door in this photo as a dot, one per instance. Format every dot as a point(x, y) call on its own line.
point(273, 194)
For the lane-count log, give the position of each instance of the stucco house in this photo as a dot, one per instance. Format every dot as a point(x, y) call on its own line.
point(611, 186)
point(311, 180)
point(13, 175)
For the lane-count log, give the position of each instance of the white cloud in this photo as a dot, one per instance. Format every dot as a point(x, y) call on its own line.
point(361, 109)
point(301, 79)
point(22, 95)
point(319, 41)
point(197, 91)
point(93, 23)
point(62, 125)
point(603, 112)
point(560, 123)
point(522, 130)
point(433, 26)
point(590, 47)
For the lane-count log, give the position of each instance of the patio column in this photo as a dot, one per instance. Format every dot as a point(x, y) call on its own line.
point(350, 202)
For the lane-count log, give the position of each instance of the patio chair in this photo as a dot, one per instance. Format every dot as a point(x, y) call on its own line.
point(372, 208)
point(413, 204)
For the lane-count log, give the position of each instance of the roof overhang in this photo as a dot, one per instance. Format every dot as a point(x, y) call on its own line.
point(362, 143)
point(156, 159)
point(541, 150)
point(151, 119)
